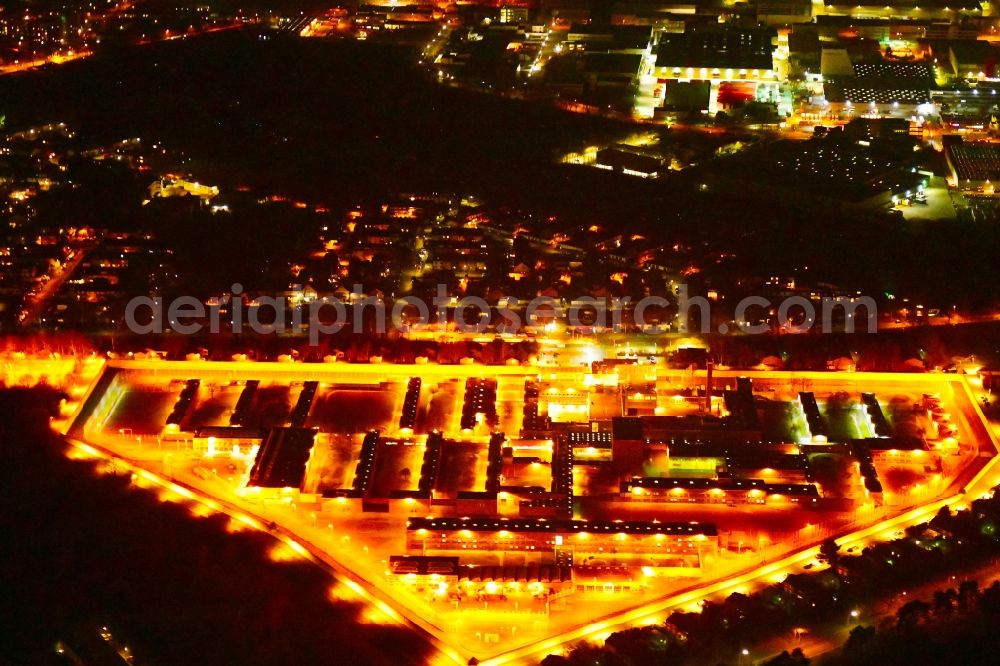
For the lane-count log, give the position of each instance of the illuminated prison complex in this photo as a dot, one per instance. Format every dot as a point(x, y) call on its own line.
point(706, 457)
point(361, 440)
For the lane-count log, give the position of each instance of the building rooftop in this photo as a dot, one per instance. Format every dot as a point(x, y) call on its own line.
point(424, 565)
point(860, 91)
point(724, 48)
point(600, 440)
point(481, 524)
point(972, 51)
point(627, 428)
point(281, 460)
point(836, 167)
point(893, 443)
point(617, 158)
point(517, 574)
point(231, 432)
point(975, 161)
point(896, 71)
point(902, 4)
point(612, 63)
point(701, 483)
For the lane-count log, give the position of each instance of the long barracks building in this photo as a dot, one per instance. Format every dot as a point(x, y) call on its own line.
point(675, 545)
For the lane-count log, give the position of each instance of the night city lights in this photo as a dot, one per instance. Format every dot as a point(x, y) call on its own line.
point(501, 332)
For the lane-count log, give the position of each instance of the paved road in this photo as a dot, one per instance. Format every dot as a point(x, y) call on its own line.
point(35, 305)
point(826, 638)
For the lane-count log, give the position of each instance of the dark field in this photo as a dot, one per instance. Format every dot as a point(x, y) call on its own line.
point(178, 590)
